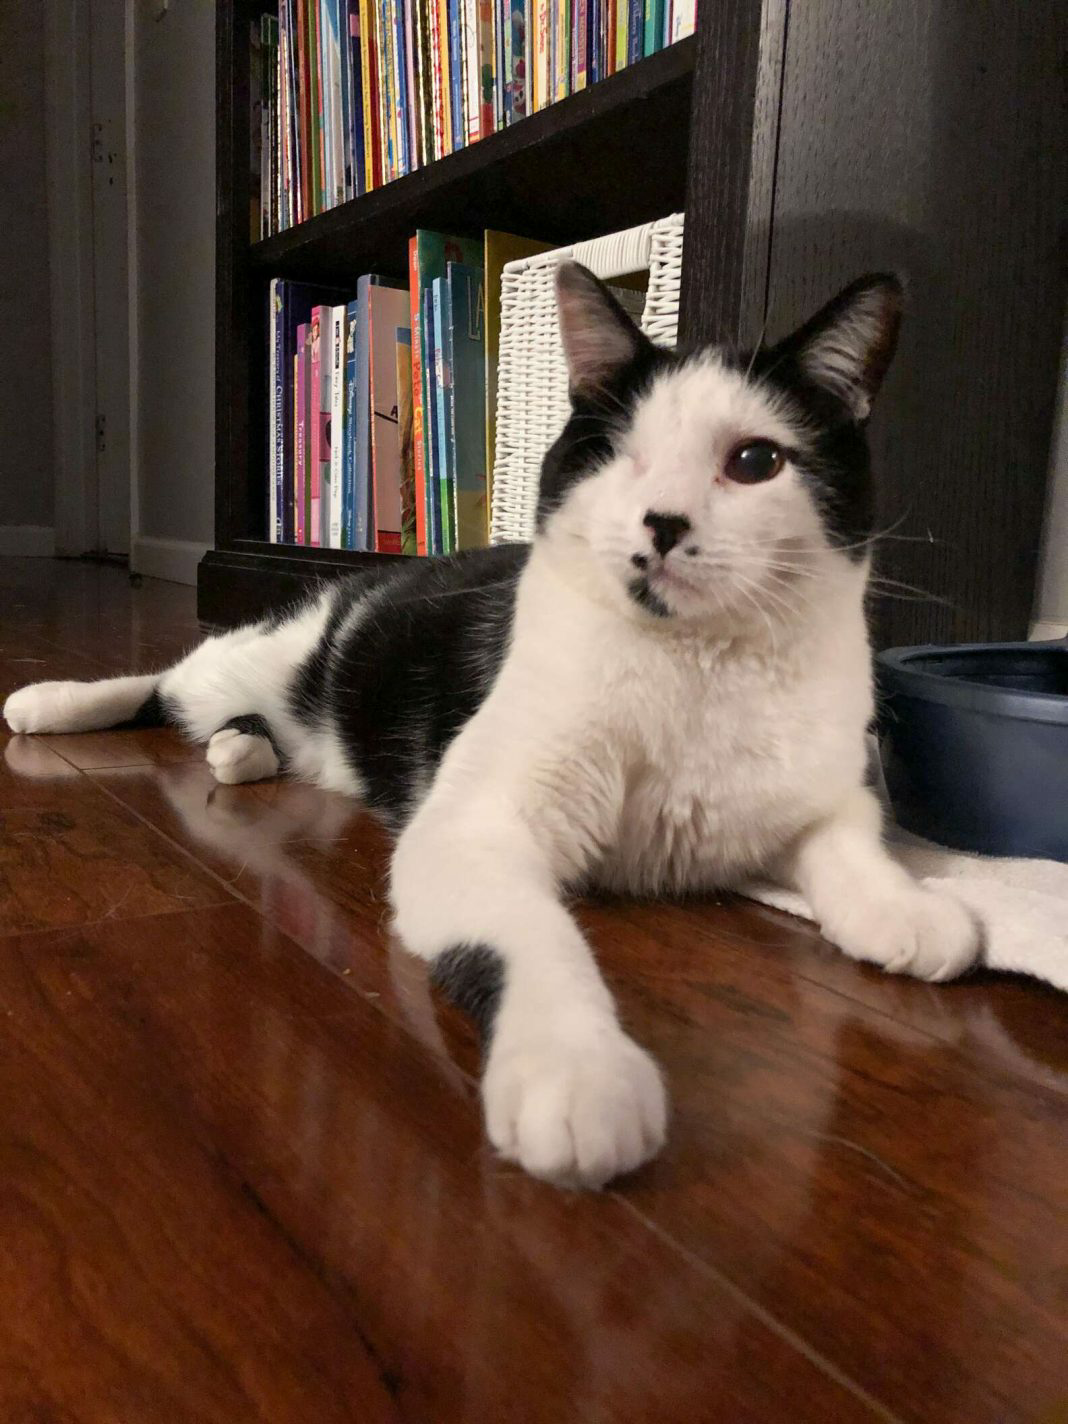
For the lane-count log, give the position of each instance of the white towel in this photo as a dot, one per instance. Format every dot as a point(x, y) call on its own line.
point(1021, 904)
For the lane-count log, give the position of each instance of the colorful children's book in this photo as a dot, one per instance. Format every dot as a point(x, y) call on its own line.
point(683, 19)
point(313, 503)
point(635, 30)
point(300, 484)
point(487, 66)
point(348, 443)
point(654, 26)
point(466, 361)
point(333, 511)
point(456, 73)
point(388, 311)
point(446, 471)
point(435, 534)
point(403, 338)
point(428, 256)
point(290, 303)
point(363, 529)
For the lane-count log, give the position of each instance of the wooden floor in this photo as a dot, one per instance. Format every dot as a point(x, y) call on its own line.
point(242, 1175)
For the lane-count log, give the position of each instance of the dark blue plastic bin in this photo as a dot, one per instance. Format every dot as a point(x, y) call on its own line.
point(974, 745)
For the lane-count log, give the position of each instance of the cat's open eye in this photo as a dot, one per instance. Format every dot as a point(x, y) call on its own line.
point(753, 461)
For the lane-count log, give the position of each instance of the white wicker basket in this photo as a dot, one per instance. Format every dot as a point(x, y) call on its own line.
point(532, 403)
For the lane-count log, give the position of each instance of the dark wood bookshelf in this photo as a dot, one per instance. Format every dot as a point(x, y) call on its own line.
point(805, 146)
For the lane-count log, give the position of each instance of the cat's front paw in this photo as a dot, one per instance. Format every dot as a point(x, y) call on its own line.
point(575, 1111)
point(40, 707)
point(921, 932)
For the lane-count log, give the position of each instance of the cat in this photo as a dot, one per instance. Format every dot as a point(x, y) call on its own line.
point(668, 691)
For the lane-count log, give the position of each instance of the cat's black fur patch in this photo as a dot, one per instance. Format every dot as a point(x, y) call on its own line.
point(471, 976)
point(253, 725)
point(644, 596)
point(401, 678)
point(153, 712)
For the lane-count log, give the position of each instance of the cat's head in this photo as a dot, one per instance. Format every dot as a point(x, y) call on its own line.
point(710, 486)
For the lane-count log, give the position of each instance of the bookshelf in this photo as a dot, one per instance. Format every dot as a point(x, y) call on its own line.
point(781, 209)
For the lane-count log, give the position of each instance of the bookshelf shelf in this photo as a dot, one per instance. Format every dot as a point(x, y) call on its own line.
point(561, 173)
point(805, 147)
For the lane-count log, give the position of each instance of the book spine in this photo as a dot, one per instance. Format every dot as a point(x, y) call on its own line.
point(518, 61)
point(441, 414)
point(402, 346)
point(562, 67)
point(275, 327)
point(487, 64)
point(581, 36)
point(472, 71)
point(337, 424)
point(418, 452)
point(466, 360)
point(293, 82)
point(683, 18)
point(366, 65)
point(446, 75)
point(300, 482)
point(502, 27)
point(345, 136)
point(314, 501)
point(326, 371)
point(359, 116)
point(348, 440)
point(361, 470)
point(544, 11)
point(289, 514)
point(412, 107)
point(456, 73)
point(431, 10)
point(433, 483)
point(303, 110)
point(400, 65)
point(653, 29)
point(385, 92)
point(622, 18)
point(635, 30)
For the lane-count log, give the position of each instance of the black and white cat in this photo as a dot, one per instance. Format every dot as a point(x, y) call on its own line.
point(668, 691)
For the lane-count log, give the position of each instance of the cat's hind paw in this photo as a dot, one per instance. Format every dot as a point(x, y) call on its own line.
point(925, 933)
point(236, 757)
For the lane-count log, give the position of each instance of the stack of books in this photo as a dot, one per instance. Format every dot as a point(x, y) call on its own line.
point(349, 94)
point(382, 402)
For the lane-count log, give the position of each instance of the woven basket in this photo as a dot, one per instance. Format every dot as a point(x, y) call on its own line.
point(532, 403)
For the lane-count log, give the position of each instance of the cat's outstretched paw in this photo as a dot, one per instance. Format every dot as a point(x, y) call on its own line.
point(235, 757)
point(575, 1112)
point(42, 707)
point(922, 932)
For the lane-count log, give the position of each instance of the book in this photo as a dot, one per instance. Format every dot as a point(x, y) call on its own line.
point(289, 304)
point(333, 511)
point(403, 340)
point(683, 19)
point(435, 536)
point(498, 248)
point(635, 30)
point(314, 457)
point(362, 505)
point(388, 310)
point(442, 414)
point(653, 34)
point(348, 443)
point(300, 484)
point(456, 73)
point(428, 256)
point(487, 68)
point(465, 360)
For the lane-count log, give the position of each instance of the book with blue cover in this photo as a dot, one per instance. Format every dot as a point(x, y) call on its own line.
point(446, 472)
point(435, 538)
point(466, 366)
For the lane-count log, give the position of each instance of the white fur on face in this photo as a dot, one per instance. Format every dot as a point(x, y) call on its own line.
point(749, 548)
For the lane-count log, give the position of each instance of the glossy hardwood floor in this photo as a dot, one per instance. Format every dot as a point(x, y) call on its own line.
point(242, 1176)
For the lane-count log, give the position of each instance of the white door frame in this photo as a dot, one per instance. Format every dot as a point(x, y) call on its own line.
point(86, 131)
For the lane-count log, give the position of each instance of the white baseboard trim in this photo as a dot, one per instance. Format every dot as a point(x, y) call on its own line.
point(175, 560)
point(1046, 629)
point(33, 541)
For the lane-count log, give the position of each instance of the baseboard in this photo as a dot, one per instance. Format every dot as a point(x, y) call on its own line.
point(175, 560)
point(31, 541)
point(1046, 629)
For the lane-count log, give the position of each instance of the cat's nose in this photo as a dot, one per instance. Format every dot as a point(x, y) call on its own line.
point(667, 529)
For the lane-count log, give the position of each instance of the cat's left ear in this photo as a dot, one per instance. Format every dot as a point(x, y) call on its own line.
point(847, 347)
point(600, 340)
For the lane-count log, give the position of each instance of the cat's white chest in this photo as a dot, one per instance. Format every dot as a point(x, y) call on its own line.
point(723, 765)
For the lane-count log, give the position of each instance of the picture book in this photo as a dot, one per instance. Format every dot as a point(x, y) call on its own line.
point(388, 311)
point(336, 425)
point(467, 368)
point(301, 480)
point(348, 443)
point(446, 468)
point(435, 539)
point(403, 338)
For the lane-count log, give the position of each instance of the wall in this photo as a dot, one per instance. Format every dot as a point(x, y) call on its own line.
point(25, 352)
point(173, 276)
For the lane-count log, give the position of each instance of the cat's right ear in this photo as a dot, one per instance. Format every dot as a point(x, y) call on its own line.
point(600, 340)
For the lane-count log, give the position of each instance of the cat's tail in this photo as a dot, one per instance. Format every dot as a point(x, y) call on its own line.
point(87, 706)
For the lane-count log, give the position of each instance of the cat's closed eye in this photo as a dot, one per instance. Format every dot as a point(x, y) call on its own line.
point(753, 461)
